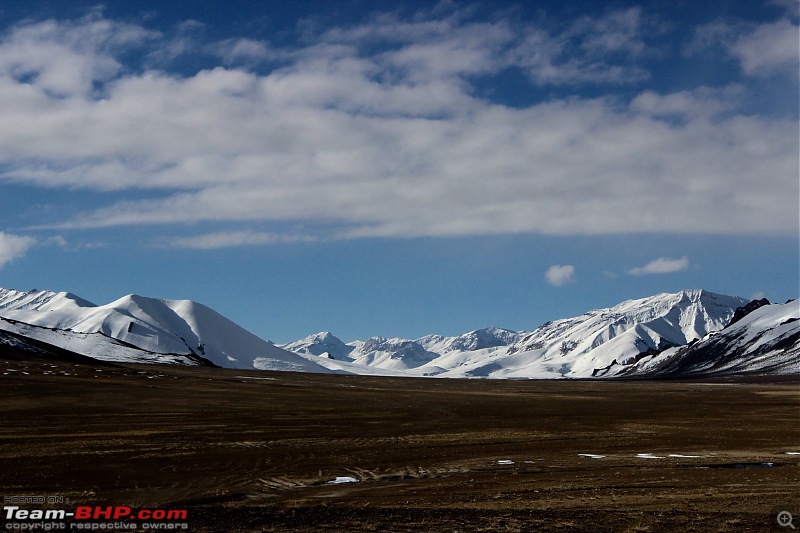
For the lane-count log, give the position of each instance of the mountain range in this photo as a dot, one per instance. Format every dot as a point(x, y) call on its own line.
point(689, 333)
point(139, 329)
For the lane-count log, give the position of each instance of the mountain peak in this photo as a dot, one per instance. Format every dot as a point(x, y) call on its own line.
point(323, 343)
point(622, 332)
point(479, 339)
point(38, 300)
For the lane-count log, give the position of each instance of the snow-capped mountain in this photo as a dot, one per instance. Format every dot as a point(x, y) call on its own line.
point(621, 333)
point(573, 347)
point(180, 327)
point(392, 354)
point(686, 333)
point(400, 354)
point(323, 344)
point(474, 340)
point(765, 340)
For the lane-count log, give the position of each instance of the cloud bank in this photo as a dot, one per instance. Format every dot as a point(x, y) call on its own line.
point(379, 130)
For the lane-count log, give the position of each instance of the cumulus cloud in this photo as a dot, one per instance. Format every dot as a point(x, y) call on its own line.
point(65, 58)
point(662, 265)
point(558, 275)
point(13, 246)
point(377, 130)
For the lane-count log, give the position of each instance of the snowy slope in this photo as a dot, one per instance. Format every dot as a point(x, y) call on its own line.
point(38, 339)
point(155, 325)
point(344, 366)
point(577, 346)
point(391, 354)
point(767, 340)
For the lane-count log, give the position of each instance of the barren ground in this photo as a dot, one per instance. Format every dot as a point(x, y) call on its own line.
point(256, 451)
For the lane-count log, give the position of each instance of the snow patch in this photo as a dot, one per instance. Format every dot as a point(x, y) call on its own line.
point(342, 479)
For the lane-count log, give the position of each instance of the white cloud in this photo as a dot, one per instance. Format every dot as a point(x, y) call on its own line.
point(770, 48)
point(13, 247)
point(789, 5)
point(390, 143)
point(235, 51)
point(762, 49)
point(662, 265)
point(65, 58)
point(559, 168)
point(615, 31)
point(703, 102)
point(558, 275)
point(583, 51)
point(56, 240)
point(230, 239)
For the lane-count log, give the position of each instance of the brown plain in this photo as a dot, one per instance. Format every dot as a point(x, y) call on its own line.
point(256, 451)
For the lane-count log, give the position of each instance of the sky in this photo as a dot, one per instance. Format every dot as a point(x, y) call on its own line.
point(399, 168)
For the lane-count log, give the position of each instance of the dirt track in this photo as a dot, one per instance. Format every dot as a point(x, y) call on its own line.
point(256, 451)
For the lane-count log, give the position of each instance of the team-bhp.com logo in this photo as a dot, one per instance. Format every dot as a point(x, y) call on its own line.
point(94, 517)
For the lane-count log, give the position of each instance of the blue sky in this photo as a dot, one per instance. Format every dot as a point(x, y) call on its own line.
point(399, 169)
